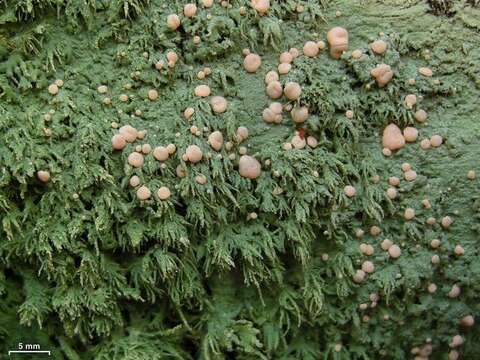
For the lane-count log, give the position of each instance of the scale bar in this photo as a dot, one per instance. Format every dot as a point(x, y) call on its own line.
point(29, 352)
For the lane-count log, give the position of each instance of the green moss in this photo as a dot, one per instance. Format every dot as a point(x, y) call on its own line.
point(89, 272)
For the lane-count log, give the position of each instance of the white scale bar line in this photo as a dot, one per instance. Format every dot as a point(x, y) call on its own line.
point(28, 352)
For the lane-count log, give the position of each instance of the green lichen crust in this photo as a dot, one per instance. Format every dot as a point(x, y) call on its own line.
point(236, 268)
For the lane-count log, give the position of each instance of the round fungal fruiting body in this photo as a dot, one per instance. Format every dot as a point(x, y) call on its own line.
point(143, 193)
point(432, 288)
point(276, 107)
point(172, 57)
point(102, 89)
point(425, 144)
point(362, 248)
point(284, 68)
point(453, 355)
point(310, 49)
point(426, 204)
point(378, 47)
point(357, 54)
point(173, 21)
point(299, 114)
point(457, 341)
point(312, 141)
point(189, 10)
point(394, 251)
point(219, 104)
point(261, 6)
point(129, 133)
point(392, 138)
point(435, 243)
point(394, 181)
point(383, 74)
point(471, 175)
point(386, 244)
point(410, 134)
point(241, 133)
point(349, 191)
point(292, 90)
point(274, 89)
point(188, 113)
point(436, 140)
point(229, 144)
point(367, 249)
point(410, 101)
point(421, 116)
point(446, 222)
point(409, 214)
point(201, 179)
point(459, 250)
point(180, 171)
point(391, 193)
point(375, 230)
point(215, 139)
point(425, 71)
point(467, 321)
point(349, 114)
point(337, 38)
point(435, 259)
point(202, 91)
point(194, 154)
point(298, 142)
point(141, 134)
point(135, 159)
point(406, 167)
point(134, 181)
point(386, 152)
point(249, 167)
point(153, 94)
point(286, 58)
point(53, 89)
point(359, 276)
point(410, 175)
point(43, 176)
point(161, 153)
point(368, 267)
point(268, 115)
point(118, 142)
point(163, 193)
point(271, 76)
point(454, 291)
point(146, 149)
point(171, 148)
point(252, 62)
